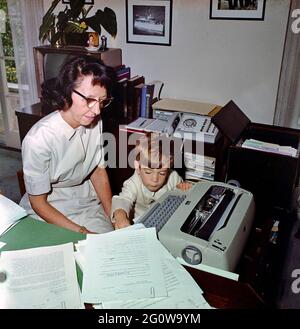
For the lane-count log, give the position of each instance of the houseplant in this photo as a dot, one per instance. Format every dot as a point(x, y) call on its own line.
point(74, 19)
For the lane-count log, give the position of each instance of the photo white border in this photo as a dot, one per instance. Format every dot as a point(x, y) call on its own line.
point(258, 14)
point(149, 39)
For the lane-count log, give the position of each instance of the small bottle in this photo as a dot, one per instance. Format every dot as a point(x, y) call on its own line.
point(103, 43)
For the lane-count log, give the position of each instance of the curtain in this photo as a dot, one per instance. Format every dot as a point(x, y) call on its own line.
point(287, 111)
point(25, 19)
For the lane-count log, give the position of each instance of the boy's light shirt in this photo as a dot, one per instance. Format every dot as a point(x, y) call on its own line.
point(135, 195)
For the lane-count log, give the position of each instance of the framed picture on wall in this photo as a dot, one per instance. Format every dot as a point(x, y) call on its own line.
point(149, 22)
point(87, 2)
point(237, 9)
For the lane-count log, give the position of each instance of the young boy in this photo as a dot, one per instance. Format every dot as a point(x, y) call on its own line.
point(152, 178)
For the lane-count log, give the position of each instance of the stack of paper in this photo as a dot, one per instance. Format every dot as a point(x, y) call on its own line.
point(10, 213)
point(269, 147)
point(199, 166)
point(131, 269)
point(40, 278)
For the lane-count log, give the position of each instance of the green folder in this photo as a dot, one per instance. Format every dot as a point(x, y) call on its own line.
point(32, 233)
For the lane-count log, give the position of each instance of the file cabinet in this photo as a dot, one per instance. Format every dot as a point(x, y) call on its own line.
point(271, 177)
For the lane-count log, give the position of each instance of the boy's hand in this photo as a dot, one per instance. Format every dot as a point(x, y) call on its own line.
point(184, 186)
point(121, 223)
point(120, 219)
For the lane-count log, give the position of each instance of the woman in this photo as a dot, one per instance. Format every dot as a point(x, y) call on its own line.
point(63, 160)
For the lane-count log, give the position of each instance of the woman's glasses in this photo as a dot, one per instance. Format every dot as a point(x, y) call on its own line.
point(91, 102)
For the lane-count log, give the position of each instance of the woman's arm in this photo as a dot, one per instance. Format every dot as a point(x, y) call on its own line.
point(51, 215)
point(101, 184)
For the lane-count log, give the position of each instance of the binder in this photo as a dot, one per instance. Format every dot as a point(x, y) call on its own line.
point(136, 109)
point(131, 83)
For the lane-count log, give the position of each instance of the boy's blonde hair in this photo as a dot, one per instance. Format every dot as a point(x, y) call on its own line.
point(155, 151)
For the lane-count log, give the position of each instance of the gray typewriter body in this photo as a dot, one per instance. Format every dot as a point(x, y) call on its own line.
point(209, 224)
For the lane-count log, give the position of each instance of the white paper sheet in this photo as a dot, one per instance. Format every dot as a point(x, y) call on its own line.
point(122, 265)
point(42, 277)
point(183, 291)
point(210, 269)
point(2, 244)
point(81, 245)
point(10, 213)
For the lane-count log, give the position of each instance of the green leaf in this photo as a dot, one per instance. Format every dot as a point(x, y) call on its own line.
point(88, 10)
point(106, 18)
point(47, 25)
point(73, 27)
point(62, 20)
point(48, 20)
point(76, 7)
point(110, 21)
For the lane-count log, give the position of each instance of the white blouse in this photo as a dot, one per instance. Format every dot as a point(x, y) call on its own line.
point(57, 159)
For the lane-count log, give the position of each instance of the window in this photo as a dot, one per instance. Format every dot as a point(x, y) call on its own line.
point(9, 99)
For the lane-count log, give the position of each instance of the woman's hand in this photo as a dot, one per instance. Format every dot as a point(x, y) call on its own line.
point(184, 186)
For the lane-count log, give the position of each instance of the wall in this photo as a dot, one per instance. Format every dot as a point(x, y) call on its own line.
point(212, 60)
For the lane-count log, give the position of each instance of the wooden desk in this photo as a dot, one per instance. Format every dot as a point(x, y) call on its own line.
point(218, 291)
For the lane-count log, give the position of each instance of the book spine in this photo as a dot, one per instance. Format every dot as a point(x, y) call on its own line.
point(148, 106)
point(143, 102)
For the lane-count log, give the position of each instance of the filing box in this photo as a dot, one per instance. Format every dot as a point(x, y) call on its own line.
point(271, 177)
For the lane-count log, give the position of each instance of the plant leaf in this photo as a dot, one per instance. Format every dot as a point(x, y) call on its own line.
point(106, 18)
point(48, 21)
point(110, 21)
point(76, 7)
point(47, 25)
point(73, 27)
point(62, 20)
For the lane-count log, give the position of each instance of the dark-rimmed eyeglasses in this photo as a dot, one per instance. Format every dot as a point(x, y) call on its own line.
point(91, 102)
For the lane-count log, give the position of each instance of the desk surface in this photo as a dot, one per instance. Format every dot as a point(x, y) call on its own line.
point(219, 292)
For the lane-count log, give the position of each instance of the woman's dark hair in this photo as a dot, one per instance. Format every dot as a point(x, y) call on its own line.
point(56, 92)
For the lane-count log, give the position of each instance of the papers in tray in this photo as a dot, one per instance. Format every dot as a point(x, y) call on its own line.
point(269, 147)
point(147, 125)
point(10, 213)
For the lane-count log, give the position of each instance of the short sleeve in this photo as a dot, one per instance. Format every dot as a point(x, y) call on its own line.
point(36, 157)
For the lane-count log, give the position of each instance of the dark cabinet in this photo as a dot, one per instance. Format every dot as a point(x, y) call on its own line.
point(270, 176)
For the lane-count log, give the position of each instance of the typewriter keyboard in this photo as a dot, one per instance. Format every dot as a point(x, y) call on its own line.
point(160, 213)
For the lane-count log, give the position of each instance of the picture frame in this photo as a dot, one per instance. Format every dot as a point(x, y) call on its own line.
point(149, 22)
point(237, 9)
point(87, 2)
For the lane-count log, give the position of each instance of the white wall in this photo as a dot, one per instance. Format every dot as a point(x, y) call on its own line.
point(212, 60)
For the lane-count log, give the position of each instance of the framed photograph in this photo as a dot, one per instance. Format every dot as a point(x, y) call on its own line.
point(149, 22)
point(237, 9)
point(87, 2)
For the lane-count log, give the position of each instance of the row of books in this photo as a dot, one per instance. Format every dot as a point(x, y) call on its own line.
point(133, 96)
